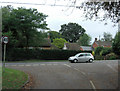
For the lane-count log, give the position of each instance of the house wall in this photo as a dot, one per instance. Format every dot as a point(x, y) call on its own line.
point(108, 46)
point(81, 49)
point(95, 45)
point(46, 48)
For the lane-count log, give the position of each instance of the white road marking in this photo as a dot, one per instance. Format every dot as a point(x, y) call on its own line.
point(42, 64)
point(20, 65)
point(49, 64)
point(67, 65)
point(35, 64)
point(55, 64)
point(80, 71)
point(76, 69)
point(111, 67)
point(27, 65)
point(13, 65)
point(93, 86)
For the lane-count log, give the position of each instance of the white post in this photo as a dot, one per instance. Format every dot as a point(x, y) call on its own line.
point(4, 58)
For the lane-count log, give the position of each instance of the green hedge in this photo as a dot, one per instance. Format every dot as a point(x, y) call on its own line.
point(29, 54)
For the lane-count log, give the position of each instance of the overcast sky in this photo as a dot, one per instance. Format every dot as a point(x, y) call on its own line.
point(58, 15)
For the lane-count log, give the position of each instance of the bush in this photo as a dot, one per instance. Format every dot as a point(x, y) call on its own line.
point(98, 50)
point(106, 51)
point(98, 57)
point(29, 54)
point(111, 56)
point(116, 44)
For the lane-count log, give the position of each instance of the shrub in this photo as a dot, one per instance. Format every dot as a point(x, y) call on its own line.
point(111, 56)
point(29, 54)
point(106, 51)
point(99, 57)
point(98, 50)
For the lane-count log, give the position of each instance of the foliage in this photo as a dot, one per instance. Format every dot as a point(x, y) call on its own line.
point(13, 79)
point(116, 44)
point(71, 31)
point(54, 35)
point(37, 54)
point(93, 53)
point(59, 42)
point(99, 57)
point(84, 40)
point(23, 24)
point(106, 51)
point(102, 51)
point(107, 37)
point(111, 56)
point(92, 10)
point(12, 41)
point(98, 50)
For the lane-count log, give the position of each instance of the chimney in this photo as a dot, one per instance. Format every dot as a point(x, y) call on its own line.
point(95, 39)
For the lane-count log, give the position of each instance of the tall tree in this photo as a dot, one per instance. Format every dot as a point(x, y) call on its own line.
point(93, 8)
point(84, 40)
point(71, 31)
point(116, 44)
point(23, 23)
point(107, 37)
point(54, 34)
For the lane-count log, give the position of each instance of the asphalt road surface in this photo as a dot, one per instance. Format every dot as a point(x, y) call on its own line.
point(65, 75)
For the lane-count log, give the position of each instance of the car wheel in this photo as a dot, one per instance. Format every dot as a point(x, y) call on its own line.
point(90, 60)
point(75, 61)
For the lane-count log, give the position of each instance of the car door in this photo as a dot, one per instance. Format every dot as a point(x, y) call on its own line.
point(81, 58)
point(87, 57)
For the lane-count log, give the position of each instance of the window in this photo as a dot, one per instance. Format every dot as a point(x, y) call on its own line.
point(81, 55)
point(88, 55)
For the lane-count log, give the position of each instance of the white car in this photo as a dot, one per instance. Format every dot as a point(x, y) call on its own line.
point(81, 57)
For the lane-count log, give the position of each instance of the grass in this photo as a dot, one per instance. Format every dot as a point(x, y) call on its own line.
point(13, 79)
point(27, 61)
point(0, 77)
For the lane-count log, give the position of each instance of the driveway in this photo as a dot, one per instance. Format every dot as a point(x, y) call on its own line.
point(65, 75)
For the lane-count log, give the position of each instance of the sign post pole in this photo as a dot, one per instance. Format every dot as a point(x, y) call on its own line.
point(4, 58)
point(5, 41)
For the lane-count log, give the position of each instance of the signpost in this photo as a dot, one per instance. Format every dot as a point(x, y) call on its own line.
point(5, 41)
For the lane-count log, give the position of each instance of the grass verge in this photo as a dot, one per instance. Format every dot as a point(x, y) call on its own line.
point(13, 79)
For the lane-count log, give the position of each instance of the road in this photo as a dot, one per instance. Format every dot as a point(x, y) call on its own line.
point(65, 75)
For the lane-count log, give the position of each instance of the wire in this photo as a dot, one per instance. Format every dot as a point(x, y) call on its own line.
point(40, 4)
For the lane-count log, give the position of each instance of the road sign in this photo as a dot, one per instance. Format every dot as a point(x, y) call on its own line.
point(5, 39)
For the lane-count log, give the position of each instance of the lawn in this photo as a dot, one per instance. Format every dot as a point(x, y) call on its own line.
point(13, 79)
point(0, 77)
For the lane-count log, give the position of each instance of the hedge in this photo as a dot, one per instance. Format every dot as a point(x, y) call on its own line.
point(29, 54)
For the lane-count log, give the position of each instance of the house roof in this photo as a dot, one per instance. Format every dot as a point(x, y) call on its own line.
point(103, 43)
point(46, 43)
point(72, 46)
point(86, 48)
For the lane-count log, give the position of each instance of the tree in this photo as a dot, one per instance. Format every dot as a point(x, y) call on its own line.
point(23, 24)
point(71, 31)
point(107, 37)
point(59, 42)
point(92, 10)
point(84, 40)
point(54, 34)
point(116, 44)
